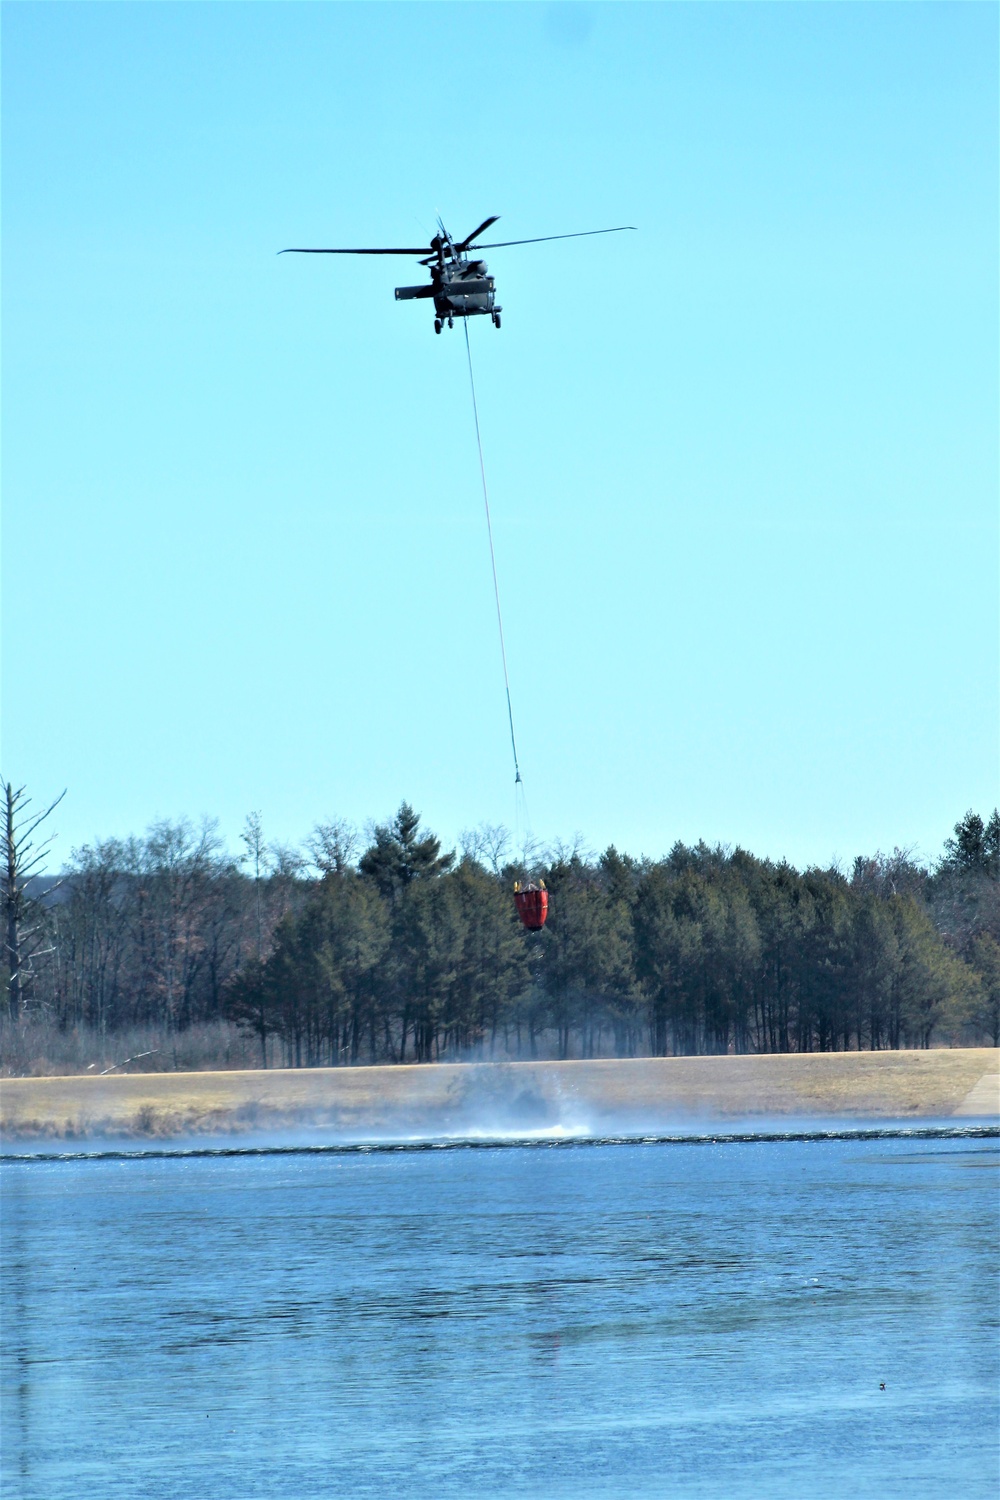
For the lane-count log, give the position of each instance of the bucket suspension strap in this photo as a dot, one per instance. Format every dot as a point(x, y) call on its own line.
point(493, 560)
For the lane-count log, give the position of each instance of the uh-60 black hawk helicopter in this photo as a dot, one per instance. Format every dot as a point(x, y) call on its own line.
point(461, 288)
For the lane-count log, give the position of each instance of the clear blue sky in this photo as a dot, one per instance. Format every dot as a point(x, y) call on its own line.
point(743, 463)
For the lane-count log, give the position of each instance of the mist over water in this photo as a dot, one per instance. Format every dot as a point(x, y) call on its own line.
point(700, 1318)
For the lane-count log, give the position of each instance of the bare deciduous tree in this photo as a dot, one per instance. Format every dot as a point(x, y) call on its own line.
point(333, 846)
point(489, 845)
point(252, 839)
point(22, 863)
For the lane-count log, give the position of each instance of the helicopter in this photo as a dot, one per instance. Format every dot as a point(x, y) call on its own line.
point(460, 286)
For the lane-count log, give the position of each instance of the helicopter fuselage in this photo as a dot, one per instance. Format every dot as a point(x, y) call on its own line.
point(460, 287)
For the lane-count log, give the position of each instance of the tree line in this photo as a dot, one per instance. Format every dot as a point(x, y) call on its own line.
point(390, 949)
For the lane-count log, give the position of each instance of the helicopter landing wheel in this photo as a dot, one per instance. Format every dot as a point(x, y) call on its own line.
point(496, 320)
point(437, 325)
point(451, 322)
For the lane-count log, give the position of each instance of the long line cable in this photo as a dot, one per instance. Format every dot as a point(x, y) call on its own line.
point(493, 560)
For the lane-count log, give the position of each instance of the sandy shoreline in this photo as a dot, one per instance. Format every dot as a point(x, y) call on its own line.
point(447, 1098)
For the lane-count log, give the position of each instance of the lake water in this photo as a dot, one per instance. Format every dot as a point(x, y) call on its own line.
point(619, 1320)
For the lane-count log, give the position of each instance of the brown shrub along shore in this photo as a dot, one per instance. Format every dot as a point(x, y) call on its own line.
point(456, 1098)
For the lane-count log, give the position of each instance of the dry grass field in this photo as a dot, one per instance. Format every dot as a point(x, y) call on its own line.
point(369, 1103)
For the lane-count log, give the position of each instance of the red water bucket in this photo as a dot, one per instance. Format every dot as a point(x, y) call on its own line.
point(532, 907)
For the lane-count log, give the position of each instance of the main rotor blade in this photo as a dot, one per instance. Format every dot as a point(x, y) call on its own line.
point(298, 250)
point(470, 237)
point(580, 234)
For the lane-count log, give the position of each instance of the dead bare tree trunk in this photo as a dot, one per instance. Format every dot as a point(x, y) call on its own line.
point(21, 861)
point(13, 937)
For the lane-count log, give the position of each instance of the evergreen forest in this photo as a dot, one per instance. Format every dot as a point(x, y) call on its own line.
point(388, 949)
